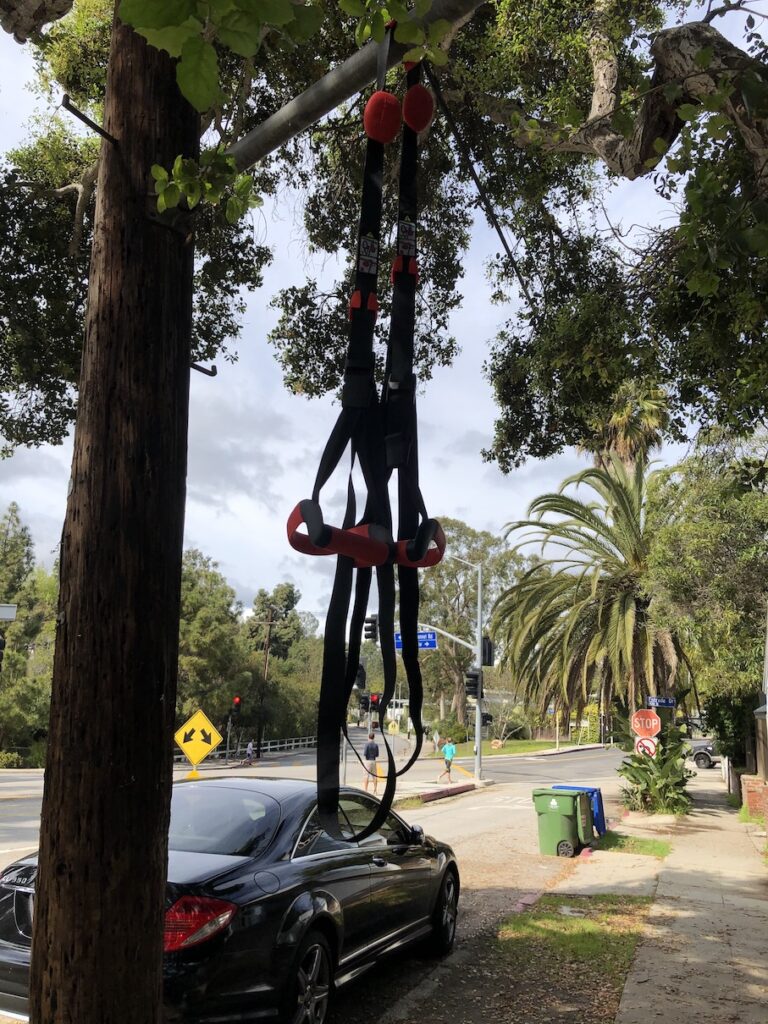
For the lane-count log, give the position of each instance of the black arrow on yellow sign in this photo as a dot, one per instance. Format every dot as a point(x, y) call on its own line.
point(206, 737)
point(188, 735)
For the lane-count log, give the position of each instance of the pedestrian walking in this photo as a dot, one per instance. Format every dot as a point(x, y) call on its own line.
point(370, 756)
point(248, 761)
point(449, 752)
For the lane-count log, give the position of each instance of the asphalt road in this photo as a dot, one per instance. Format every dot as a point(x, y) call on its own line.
point(21, 791)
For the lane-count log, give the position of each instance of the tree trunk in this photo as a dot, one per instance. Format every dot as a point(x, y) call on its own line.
point(97, 948)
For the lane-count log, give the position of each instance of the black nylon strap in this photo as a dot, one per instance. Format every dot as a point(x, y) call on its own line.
point(383, 438)
point(400, 415)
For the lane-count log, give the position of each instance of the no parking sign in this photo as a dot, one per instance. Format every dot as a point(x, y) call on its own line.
point(646, 745)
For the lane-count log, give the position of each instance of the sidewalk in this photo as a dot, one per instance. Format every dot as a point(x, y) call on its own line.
point(704, 957)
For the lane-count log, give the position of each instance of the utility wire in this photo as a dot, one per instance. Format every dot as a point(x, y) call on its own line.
point(469, 161)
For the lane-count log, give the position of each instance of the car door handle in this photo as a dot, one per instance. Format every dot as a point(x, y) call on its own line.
point(378, 862)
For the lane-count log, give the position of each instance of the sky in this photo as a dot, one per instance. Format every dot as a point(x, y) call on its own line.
point(254, 448)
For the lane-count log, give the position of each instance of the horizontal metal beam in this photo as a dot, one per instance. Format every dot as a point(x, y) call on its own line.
point(442, 632)
point(333, 89)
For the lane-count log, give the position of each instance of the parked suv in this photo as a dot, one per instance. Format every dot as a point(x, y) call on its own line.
point(704, 753)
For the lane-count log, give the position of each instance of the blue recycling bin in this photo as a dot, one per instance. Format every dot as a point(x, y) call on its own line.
point(596, 799)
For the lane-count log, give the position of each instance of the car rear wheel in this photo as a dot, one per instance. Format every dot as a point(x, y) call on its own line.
point(445, 914)
point(309, 985)
point(702, 760)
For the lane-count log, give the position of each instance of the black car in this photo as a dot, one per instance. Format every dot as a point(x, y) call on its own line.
point(266, 913)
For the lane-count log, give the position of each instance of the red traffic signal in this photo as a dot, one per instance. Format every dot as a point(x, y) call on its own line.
point(236, 702)
point(375, 697)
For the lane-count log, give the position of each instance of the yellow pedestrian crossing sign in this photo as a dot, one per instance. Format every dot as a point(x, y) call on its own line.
point(198, 737)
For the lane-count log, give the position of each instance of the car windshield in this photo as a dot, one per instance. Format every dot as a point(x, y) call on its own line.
point(217, 819)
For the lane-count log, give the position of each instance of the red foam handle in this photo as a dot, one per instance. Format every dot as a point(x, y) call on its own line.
point(367, 544)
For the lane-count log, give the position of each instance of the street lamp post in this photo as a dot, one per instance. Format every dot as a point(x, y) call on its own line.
point(478, 649)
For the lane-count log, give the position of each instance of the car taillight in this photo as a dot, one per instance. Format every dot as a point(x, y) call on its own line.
point(194, 919)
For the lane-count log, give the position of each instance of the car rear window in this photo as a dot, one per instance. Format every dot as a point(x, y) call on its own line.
point(213, 819)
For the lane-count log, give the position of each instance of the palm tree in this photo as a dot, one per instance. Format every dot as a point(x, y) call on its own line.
point(633, 427)
point(577, 625)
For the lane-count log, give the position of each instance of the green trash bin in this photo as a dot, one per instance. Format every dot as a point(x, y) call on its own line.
point(565, 821)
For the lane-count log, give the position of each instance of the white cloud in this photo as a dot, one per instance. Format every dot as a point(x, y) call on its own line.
point(254, 448)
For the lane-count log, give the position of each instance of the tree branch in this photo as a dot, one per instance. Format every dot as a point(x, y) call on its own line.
point(674, 51)
point(83, 189)
point(24, 18)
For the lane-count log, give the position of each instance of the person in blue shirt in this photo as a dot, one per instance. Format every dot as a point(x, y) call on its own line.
point(370, 756)
point(449, 752)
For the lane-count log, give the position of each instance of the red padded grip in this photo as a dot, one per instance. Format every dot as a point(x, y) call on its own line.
point(356, 542)
point(433, 555)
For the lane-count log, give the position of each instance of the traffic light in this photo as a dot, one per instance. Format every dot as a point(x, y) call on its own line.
point(472, 683)
point(365, 702)
point(371, 631)
point(236, 705)
point(486, 719)
point(488, 653)
point(360, 678)
point(375, 698)
point(2, 650)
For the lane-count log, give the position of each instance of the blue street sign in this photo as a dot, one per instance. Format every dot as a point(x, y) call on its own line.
point(427, 640)
point(662, 702)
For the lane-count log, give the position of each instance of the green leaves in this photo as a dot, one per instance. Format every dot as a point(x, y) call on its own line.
point(188, 29)
point(703, 282)
point(658, 785)
point(154, 14)
point(215, 179)
point(703, 58)
point(240, 33)
point(173, 37)
point(267, 12)
point(307, 21)
point(688, 111)
point(198, 74)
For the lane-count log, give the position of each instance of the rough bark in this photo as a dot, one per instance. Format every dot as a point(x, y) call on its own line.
point(23, 18)
point(674, 51)
point(97, 947)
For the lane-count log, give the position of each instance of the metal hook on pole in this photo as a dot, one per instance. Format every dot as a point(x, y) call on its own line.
point(67, 103)
point(202, 369)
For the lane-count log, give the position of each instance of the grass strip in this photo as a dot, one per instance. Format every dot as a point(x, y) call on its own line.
point(749, 818)
point(620, 843)
point(407, 802)
point(570, 956)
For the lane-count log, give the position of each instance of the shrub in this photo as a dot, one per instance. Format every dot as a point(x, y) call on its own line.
point(658, 785)
point(8, 759)
point(729, 715)
point(449, 727)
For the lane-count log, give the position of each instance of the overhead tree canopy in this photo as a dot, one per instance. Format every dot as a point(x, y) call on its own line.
point(557, 101)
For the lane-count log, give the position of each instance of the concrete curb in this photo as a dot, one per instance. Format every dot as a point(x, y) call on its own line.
point(532, 753)
point(441, 794)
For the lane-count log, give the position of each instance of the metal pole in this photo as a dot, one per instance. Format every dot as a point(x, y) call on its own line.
point(344, 761)
point(340, 84)
point(478, 708)
point(765, 653)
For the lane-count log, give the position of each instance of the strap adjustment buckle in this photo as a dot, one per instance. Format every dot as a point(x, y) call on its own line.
point(356, 302)
point(405, 265)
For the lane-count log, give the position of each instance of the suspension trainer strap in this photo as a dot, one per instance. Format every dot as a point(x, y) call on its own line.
point(399, 400)
point(381, 435)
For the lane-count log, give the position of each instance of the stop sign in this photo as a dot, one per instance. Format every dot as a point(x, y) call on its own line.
point(645, 723)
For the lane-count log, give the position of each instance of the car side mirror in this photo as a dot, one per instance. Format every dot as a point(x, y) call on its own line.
point(417, 835)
